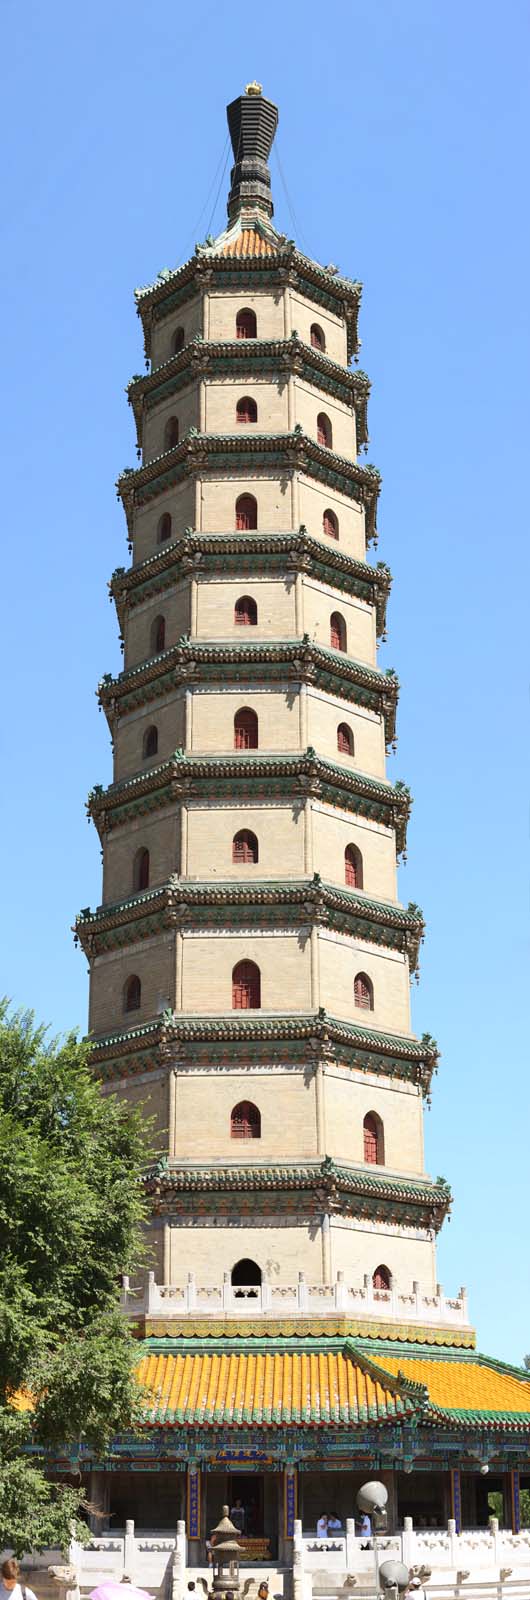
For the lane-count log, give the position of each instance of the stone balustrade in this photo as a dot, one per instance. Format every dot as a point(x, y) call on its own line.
point(492, 1554)
point(271, 1299)
point(479, 1562)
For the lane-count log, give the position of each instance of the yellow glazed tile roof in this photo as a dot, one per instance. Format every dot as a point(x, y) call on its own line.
point(319, 1387)
point(463, 1385)
point(249, 243)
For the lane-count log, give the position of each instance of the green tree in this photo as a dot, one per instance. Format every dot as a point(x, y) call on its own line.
point(71, 1208)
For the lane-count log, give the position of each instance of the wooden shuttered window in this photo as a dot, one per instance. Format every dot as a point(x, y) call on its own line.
point(246, 987)
point(245, 1121)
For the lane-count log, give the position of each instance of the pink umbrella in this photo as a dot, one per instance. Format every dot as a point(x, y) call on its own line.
point(118, 1591)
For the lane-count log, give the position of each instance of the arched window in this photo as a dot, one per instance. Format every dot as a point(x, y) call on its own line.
point(381, 1278)
point(344, 739)
point(317, 337)
point(150, 744)
point(141, 870)
point(245, 1276)
point(246, 611)
point(132, 994)
point(245, 847)
point(324, 431)
point(245, 729)
point(337, 631)
point(246, 410)
point(163, 531)
point(246, 325)
point(330, 524)
point(353, 867)
point(246, 512)
point(158, 636)
point(374, 1150)
point(171, 433)
point(363, 993)
point(245, 1121)
point(177, 342)
point(246, 987)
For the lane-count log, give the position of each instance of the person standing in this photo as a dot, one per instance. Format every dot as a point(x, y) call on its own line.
point(10, 1586)
point(237, 1516)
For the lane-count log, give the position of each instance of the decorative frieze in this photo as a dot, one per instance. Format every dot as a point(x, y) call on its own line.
point(355, 1190)
point(251, 359)
point(233, 905)
point(193, 661)
point(210, 269)
point(202, 453)
point(251, 778)
point(258, 555)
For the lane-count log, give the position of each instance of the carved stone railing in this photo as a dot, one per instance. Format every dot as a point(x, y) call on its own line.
point(489, 1556)
point(271, 1299)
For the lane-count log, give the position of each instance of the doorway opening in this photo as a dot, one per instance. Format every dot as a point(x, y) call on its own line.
point(246, 1503)
point(246, 1279)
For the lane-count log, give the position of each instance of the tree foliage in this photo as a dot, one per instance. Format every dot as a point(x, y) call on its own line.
point(71, 1208)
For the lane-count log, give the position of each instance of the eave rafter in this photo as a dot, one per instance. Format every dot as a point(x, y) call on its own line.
point(309, 902)
point(313, 1186)
point(296, 1039)
point(251, 777)
point(251, 360)
point(287, 267)
point(205, 554)
point(298, 660)
point(202, 453)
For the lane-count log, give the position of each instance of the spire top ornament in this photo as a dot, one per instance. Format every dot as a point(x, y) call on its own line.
point(252, 123)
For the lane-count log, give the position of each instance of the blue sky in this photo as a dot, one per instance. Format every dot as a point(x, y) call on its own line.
point(403, 139)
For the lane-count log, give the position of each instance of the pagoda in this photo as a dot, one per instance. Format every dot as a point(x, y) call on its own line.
point(250, 961)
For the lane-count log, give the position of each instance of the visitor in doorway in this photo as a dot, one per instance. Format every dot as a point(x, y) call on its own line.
point(334, 1523)
point(322, 1527)
point(263, 1591)
point(10, 1586)
point(191, 1586)
point(237, 1516)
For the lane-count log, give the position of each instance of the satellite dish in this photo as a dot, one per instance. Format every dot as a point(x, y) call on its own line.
point(394, 1575)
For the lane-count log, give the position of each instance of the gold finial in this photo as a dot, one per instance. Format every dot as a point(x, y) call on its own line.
point(253, 88)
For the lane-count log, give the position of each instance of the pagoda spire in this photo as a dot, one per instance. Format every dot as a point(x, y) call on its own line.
point(252, 123)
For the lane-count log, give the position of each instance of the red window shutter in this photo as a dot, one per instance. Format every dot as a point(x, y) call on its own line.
point(246, 987)
point(344, 739)
point(245, 730)
point(245, 847)
point(330, 524)
point(351, 867)
point(246, 512)
point(337, 631)
point(362, 990)
point(246, 410)
point(246, 326)
point(246, 612)
point(245, 1121)
point(317, 337)
point(371, 1142)
point(151, 742)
